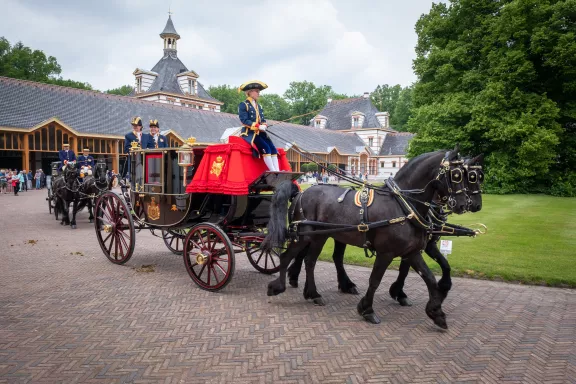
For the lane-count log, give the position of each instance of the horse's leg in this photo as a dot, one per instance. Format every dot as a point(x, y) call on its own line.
point(57, 207)
point(278, 286)
point(65, 212)
point(365, 305)
point(296, 267)
point(445, 283)
point(345, 285)
point(397, 288)
point(434, 306)
point(74, 211)
point(90, 204)
point(310, 291)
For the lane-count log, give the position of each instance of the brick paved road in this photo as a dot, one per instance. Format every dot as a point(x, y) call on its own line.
point(69, 315)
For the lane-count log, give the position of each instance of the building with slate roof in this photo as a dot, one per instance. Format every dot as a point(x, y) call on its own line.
point(36, 119)
point(359, 116)
point(169, 81)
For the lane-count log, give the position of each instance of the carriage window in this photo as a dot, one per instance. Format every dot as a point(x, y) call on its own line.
point(153, 168)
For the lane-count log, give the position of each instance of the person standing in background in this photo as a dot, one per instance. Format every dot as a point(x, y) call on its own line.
point(15, 183)
point(37, 178)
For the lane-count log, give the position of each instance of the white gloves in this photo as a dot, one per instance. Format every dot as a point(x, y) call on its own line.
point(263, 127)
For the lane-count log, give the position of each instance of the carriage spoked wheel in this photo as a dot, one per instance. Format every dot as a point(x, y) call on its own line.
point(174, 240)
point(209, 256)
point(114, 228)
point(265, 261)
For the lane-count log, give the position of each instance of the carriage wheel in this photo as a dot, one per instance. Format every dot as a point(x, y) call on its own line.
point(114, 228)
point(174, 240)
point(209, 256)
point(49, 199)
point(265, 261)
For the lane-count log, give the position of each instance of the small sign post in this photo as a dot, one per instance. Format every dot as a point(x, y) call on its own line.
point(446, 247)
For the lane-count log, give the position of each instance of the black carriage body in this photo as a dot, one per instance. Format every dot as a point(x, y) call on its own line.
point(159, 199)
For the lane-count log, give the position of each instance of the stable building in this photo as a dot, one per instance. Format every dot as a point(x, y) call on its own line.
point(36, 119)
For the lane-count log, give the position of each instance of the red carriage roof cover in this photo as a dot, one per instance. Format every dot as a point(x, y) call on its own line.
point(230, 168)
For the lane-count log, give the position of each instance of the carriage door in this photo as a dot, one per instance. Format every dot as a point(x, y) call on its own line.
point(153, 187)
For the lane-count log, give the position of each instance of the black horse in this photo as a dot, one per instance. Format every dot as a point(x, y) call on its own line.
point(396, 225)
point(473, 178)
point(93, 186)
point(66, 189)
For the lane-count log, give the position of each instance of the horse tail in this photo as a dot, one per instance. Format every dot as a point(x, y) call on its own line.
point(277, 227)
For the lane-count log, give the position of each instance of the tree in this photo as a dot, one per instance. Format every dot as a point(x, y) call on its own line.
point(310, 167)
point(229, 96)
point(306, 98)
point(21, 62)
point(498, 77)
point(274, 107)
point(124, 90)
point(385, 97)
point(402, 110)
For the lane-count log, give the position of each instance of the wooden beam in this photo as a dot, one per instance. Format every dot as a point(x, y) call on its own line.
point(116, 161)
point(26, 153)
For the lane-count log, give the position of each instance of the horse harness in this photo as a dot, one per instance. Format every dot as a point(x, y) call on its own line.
point(363, 199)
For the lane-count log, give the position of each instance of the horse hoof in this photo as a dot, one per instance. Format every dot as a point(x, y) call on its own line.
point(293, 283)
point(441, 322)
point(319, 301)
point(371, 318)
point(405, 302)
point(91, 220)
point(350, 290)
point(73, 226)
point(273, 290)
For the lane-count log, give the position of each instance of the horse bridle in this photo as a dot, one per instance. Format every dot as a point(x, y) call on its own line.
point(453, 176)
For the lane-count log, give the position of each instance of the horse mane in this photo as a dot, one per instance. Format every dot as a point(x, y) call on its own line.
point(415, 162)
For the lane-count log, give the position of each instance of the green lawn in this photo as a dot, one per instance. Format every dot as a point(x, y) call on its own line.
point(531, 239)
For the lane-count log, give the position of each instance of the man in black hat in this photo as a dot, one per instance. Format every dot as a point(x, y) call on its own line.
point(135, 135)
point(156, 139)
point(66, 155)
point(254, 131)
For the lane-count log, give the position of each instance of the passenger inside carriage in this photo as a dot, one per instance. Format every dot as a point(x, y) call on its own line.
point(254, 131)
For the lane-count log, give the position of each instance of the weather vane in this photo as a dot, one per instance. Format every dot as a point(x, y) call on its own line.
point(169, 12)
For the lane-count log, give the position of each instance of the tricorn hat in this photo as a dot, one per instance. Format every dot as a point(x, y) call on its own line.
point(154, 123)
point(136, 121)
point(252, 84)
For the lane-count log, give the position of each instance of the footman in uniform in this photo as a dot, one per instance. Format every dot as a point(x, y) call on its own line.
point(254, 131)
point(85, 162)
point(156, 139)
point(135, 135)
point(66, 155)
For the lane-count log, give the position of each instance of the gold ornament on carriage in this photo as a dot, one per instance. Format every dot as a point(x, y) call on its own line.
point(135, 145)
point(173, 207)
point(191, 141)
point(217, 166)
point(153, 210)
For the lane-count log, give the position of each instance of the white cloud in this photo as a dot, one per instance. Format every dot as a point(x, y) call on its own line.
point(351, 46)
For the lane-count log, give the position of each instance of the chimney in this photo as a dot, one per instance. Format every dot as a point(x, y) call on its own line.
point(366, 95)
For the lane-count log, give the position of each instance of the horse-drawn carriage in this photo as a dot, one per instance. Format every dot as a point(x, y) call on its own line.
point(71, 186)
point(207, 202)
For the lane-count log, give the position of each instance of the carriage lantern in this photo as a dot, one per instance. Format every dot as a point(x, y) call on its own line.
point(185, 153)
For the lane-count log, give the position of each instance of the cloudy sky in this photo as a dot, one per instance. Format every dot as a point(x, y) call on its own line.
point(352, 45)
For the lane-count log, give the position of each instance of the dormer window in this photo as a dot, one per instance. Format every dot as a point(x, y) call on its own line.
point(355, 121)
point(318, 123)
point(192, 86)
point(139, 84)
point(370, 141)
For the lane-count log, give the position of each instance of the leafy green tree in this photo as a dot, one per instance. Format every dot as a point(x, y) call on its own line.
point(304, 167)
point(402, 110)
point(228, 95)
point(310, 167)
point(274, 106)
point(385, 97)
point(21, 62)
point(124, 90)
point(305, 97)
point(499, 77)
